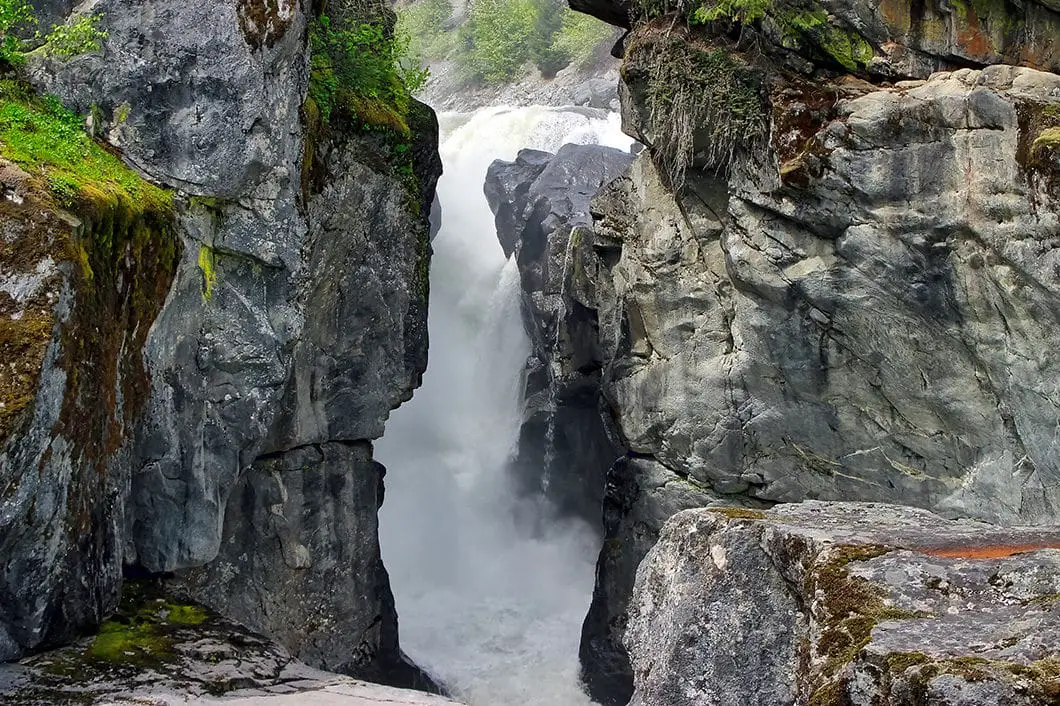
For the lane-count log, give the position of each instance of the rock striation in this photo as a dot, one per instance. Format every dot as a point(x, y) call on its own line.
point(830, 274)
point(295, 321)
point(845, 603)
point(541, 204)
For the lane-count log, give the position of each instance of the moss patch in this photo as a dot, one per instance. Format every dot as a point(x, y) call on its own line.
point(1048, 139)
point(846, 608)
point(34, 235)
point(1039, 681)
point(125, 255)
point(208, 267)
point(811, 29)
point(50, 142)
point(123, 243)
point(739, 513)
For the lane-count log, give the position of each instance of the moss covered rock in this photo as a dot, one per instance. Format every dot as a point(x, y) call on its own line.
point(89, 251)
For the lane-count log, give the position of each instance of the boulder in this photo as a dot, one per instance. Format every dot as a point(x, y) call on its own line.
point(845, 603)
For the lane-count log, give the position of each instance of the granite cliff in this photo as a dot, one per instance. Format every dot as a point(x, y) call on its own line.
point(205, 406)
point(829, 276)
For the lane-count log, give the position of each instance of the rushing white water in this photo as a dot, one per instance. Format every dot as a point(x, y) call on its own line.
point(485, 604)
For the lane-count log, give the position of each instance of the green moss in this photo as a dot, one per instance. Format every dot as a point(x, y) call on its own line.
point(1048, 139)
point(121, 113)
point(898, 662)
point(179, 614)
point(49, 141)
point(136, 642)
point(125, 252)
point(831, 694)
point(848, 607)
point(996, 15)
point(208, 266)
point(739, 513)
point(849, 49)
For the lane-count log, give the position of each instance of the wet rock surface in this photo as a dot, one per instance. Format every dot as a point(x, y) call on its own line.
point(845, 603)
point(541, 204)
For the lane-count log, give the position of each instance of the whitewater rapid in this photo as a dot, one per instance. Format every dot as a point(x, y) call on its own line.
point(487, 607)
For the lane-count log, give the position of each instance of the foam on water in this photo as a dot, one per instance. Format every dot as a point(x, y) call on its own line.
point(487, 605)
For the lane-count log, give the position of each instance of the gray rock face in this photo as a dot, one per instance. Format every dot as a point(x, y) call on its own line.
point(861, 309)
point(541, 204)
point(641, 494)
point(845, 603)
point(295, 322)
point(300, 561)
point(859, 333)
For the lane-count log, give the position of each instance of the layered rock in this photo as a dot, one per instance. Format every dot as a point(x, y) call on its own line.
point(541, 204)
point(850, 296)
point(296, 320)
point(845, 603)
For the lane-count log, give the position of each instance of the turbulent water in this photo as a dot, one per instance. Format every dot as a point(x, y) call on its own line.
point(488, 605)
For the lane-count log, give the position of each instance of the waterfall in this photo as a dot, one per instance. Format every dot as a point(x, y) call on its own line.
point(488, 606)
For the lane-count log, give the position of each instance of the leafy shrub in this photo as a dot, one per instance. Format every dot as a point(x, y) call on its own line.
point(363, 69)
point(579, 36)
point(15, 16)
point(497, 39)
point(425, 22)
point(80, 36)
point(501, 36)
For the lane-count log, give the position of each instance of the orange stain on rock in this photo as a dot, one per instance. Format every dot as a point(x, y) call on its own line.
point(997, 551)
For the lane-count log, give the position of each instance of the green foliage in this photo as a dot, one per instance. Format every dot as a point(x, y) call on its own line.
point(15, 16)
point(498, 38)
point(364, 70)
point(502, 36)
point(742, 11)
point(80, 36)
point(579, 36)
point(847, 48)
point(425, 22)
point(48, 140)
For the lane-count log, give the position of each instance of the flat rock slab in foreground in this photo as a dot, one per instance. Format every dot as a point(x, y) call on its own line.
point(850, 604)
point(156, 652)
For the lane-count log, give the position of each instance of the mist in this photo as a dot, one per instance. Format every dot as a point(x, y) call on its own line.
point(491, 588)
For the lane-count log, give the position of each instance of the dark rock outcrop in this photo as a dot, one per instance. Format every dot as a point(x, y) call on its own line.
point(541, 204)
point(295, 322)
point(845, 603)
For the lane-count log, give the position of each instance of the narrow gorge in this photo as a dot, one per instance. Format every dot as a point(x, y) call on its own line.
point(646, 352)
